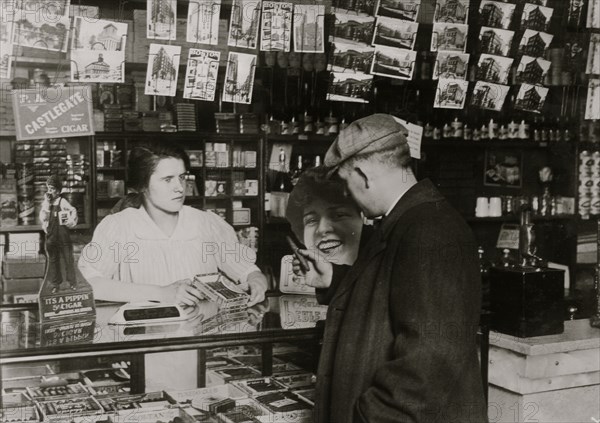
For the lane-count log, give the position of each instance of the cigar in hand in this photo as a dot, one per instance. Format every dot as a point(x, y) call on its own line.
point(303, 263)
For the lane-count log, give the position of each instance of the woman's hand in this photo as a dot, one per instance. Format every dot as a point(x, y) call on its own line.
point(182, 292)
point(257, 283)
point(320, 270)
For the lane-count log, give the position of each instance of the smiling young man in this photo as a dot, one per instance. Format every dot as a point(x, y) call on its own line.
point(399, 342)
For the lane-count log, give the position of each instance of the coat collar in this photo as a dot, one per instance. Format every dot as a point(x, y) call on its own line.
point(422, 192)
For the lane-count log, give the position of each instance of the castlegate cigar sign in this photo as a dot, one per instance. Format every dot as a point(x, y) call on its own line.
point(55, 112)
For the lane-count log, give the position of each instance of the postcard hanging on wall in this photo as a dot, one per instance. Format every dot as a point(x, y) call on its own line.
point(450, 94)
point(451, 11)
point(161, 19)
point(43, 8)
point(406, 9)
point(495, 41)
point(395, 33)
point(162, 71)
point(98, 35)
point(351, 58)
point(532, 70)
point(244, 23)
point(239, 78)
point(360, 8)
point(35, 30)
point(451, 66)
point(309, 24)
point(201, 74)
point(575, 9)
point(350, 87)
point(487, 95)
point(494, 69)
point(394, 62)
point(592, 105)
point(593, 14)
point(276, 26)
point(531, 98)
point(449, 37)
point(536, 17)
point(6, 46)
point(203, 22)
point(97, 66)
point(353, 28)
point(87, 12)
point(535, 43)
point(496, 14)
point(593, 62)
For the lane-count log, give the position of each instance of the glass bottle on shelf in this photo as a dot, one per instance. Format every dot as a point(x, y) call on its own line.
point(282, 180)
point(297, 171)
point(317, 161)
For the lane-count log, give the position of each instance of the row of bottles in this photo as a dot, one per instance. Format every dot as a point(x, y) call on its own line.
point(460, 126)
point(287, 177)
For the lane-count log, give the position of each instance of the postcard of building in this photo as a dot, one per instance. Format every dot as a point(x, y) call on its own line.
point(496, 14)
point(450, 65)
point(451, 11)
point(97, 66)
point(449, 37)
point(161, 19)
point(592, 108)
point(350, 87)
point(276, 26)
point(593, 14)
point(532, 70)
point(450, 94)
point(493, 68)
point(309, 25)
point(395, 33)
point(351, 58)
point(536, 17)
point(162, 70)
point(401, 9)
point(244, 24)
point(91, 13)
point(203, 22)
point(44, 33)
point(201, 75)
point(393, 62)
point(6, 47)
point(239, 78)
point(535, 43)
point(495, 41)
point(487, 95)
point(45, 9)
point(353, 7)
point(593, 62)
point(98, 35)
point(531, 98)
point(353, 28)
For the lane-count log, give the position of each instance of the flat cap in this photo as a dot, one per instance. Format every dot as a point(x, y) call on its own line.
point(367, 135)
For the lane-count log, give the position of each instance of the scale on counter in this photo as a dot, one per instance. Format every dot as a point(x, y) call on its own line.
point(149, 312)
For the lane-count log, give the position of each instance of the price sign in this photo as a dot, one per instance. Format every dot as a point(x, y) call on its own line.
point(508, 237)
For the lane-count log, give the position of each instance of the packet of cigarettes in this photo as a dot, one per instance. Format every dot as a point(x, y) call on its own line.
point(219, 289)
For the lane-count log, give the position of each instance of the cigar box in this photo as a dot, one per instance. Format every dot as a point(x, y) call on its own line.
point(245, 411)
point(42, 393)
point(220, 376)
point(297, 381)
point(220, 289)
point(259, 386)
point(307, 395)
point(147, 401)
point(204, 398)
point(24, 267)
point(66, 408)
point(285, 404)
point(19, 412)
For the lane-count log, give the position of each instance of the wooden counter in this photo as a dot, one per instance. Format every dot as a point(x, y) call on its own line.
point(553, 378)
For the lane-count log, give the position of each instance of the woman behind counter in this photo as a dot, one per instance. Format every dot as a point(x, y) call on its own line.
point(152, 251)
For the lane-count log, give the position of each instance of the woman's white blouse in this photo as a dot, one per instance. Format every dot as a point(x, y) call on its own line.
point(128, 246)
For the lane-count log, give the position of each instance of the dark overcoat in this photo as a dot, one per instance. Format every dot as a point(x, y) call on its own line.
point(400, 335)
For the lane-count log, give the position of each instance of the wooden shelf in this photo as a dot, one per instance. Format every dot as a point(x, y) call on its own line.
point(515, 218)
point(111, 169)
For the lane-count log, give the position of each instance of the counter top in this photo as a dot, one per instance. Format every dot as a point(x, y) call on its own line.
point(578, 335)
point(277, 319)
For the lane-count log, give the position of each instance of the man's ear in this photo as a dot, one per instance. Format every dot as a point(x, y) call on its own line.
point(363, 176)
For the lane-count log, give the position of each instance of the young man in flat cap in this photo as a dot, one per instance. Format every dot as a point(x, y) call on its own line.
point(400, 334)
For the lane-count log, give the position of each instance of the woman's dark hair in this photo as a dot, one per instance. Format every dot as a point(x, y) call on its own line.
point(313, 185)
point(141, 164)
